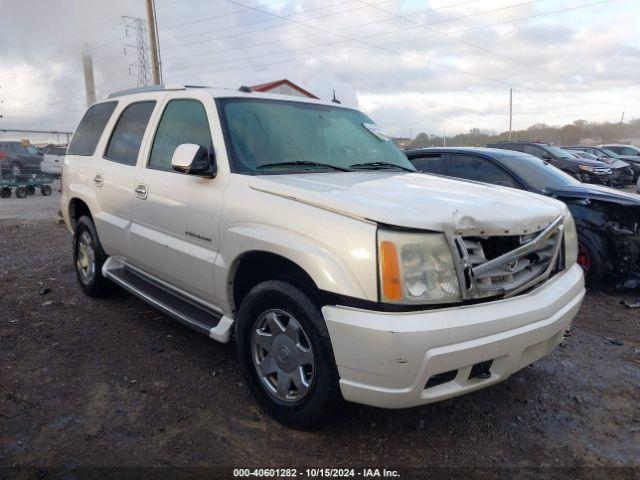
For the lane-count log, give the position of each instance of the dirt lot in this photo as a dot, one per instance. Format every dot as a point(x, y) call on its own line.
point(86, 383)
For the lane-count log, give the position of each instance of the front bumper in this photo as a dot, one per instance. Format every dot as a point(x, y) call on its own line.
point(385, 359)
point(597, 178)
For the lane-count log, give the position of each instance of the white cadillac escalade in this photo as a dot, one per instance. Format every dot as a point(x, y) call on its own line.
point(296, 228)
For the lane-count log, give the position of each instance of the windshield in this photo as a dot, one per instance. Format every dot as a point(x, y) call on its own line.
point(269, 136)
point(31, 149)
point(610, 153)
point(557, 152)
point(537, 173)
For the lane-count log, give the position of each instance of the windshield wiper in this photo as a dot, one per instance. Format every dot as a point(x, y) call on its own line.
point(379, 165)
point(304, 162)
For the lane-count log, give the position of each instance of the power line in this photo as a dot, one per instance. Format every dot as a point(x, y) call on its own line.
point(364, 24)
point(275, 27)
point(383, 47)
point(347, 38)
point(465, 42)
point(213, 17)
point(260, 44)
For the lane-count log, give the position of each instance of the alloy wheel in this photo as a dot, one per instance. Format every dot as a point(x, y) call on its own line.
point(282, 356)
point(86, 261)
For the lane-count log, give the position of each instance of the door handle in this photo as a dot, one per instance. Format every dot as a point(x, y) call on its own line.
point(97, 180)
point(141, 192)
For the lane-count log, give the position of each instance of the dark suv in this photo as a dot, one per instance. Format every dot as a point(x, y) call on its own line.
point(18, 159)
point(585, 170)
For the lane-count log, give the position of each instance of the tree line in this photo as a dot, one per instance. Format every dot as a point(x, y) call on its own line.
point(580, 131)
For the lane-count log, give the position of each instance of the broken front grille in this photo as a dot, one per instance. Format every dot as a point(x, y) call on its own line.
point(510, 264)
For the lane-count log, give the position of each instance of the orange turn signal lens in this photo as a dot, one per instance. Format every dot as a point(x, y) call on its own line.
point(391, 283)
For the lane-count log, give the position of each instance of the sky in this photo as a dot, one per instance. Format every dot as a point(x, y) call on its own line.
point(413, 66)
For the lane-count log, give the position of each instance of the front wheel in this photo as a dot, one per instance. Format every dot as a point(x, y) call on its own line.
point(284, 349)
point(89, 257)
point(591, 261)
point(45, 190)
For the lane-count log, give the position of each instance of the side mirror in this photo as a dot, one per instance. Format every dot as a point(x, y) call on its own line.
point(547, 156)
point(192, 159)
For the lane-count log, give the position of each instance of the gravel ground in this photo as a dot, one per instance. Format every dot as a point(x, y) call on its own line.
point(113, 382)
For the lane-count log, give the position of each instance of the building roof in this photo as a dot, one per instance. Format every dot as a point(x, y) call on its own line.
point(265, 87)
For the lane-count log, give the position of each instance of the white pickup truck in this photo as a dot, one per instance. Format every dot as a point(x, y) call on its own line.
point(297, 229)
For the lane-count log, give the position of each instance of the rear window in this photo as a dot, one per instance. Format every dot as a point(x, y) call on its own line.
point(88, 133)
point(128, 132)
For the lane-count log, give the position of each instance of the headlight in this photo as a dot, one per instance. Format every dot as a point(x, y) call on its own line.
point(570, 241)
point(586, 168)
point(416, 268)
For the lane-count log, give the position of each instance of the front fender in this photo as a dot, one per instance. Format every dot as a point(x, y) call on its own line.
point(327, 269)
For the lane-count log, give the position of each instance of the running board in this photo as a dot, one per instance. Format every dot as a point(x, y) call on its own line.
point(205, 320)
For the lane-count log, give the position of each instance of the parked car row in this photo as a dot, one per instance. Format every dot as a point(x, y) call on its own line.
point(608, 220)
point(601, 169)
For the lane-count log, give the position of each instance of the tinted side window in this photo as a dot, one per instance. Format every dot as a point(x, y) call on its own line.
point(430, 164)
point(480, 170)
point(533, 150)
point(91, 126)
point(126, 138)
point(183, 121)
point(627, 151)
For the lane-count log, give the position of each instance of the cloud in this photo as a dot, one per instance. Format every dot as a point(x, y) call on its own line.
point(453, 73)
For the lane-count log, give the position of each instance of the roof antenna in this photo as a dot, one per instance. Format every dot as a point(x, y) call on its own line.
point(334, 99)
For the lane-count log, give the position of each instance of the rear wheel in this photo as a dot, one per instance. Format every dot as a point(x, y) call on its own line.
point(284, 348)
point(89, 257)
point(5, 192)
point(21, 192)
point(45, 190)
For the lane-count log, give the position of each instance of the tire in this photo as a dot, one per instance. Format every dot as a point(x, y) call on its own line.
point(5, 192)
point(88, 258)
point(309, 358)
point(21, 192)
point(591, 260)
point(15, 169)
point(45, 190)
point(31, 190)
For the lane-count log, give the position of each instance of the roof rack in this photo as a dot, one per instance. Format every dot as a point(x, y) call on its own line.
point(153, 88)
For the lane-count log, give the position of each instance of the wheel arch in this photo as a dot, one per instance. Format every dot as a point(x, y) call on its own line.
point(269, 251)
point(77, 209)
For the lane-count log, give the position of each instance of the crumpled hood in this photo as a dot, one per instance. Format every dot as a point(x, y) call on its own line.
point(417, 200)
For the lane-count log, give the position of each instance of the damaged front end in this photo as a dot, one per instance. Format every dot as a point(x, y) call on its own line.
point(614, 230)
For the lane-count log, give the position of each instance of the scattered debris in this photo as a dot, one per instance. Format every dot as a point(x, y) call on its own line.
point(628, 304)
point(45, 291)
point(614, 341)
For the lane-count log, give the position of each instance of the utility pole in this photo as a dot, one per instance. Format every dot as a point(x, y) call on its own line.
point(89, 82)
point(622, 119)
point(510, 111)
point(153, 40)
point(444, 136)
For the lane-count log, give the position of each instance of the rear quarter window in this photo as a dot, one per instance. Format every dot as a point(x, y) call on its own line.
point(126, 138)
point(90, 129)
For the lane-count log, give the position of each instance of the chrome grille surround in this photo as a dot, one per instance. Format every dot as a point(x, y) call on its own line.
point(513, 272)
